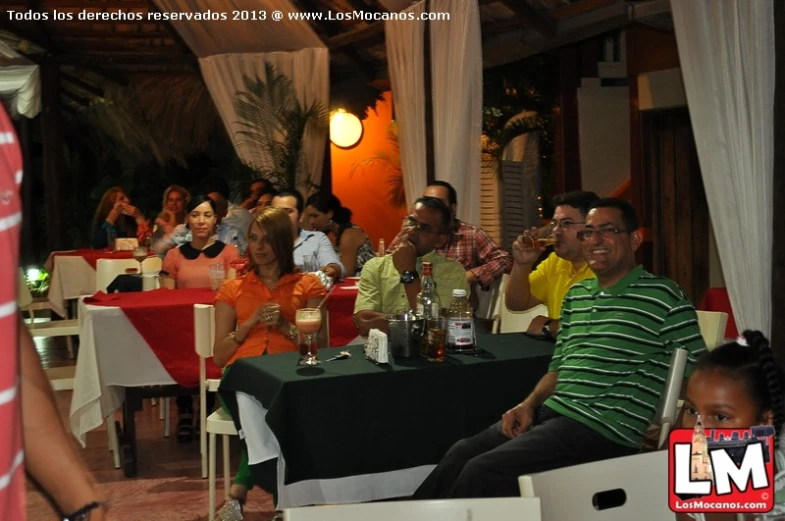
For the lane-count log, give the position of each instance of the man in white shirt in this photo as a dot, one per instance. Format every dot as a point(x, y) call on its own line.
point(307, 244)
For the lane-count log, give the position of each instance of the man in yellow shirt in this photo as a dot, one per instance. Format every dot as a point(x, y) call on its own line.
point(555, 275)
point(390, 284)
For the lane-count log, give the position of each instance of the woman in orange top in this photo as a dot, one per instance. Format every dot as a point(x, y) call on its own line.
point(254, 315)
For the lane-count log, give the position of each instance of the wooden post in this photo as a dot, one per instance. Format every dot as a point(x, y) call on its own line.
point(430, 172)
point(567, 158)
point(778, 190)
point(54, 176)
point(326, 185)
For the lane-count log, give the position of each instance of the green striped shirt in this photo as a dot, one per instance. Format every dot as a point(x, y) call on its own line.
point(613, 352)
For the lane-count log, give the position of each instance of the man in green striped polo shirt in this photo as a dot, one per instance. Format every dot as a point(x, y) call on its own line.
point(606, 377)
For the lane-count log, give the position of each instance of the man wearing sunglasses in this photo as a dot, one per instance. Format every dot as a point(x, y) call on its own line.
point(390, 284)
point(554, 276)
point(605, 379)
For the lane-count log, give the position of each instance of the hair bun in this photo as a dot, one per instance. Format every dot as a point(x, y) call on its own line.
point(755, 339)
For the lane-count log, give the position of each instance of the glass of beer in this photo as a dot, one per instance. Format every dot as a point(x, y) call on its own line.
point(546, 238)
point(308, 322)
point(435, 339)
point(140, 254)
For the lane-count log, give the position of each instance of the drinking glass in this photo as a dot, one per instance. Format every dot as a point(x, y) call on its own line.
point(545, 239)
point(111, 237)
point(435, 339)
point(140, 254)
point(308, 322)
point(217, 276)
point(309, 263)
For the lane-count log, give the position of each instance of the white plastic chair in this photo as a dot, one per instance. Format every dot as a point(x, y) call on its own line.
point(572, 492)
point(668, 408)
point(712, 325)
point(106, 270)
point(487, 299)
point(484, 509)
point(219, 422)
point(506, 321)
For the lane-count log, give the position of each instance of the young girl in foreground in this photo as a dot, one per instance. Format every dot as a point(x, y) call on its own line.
point(739, 385)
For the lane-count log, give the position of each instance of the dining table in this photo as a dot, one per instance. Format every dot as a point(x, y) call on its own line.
point(133, 346)
point(350, 430)
point(72, 274)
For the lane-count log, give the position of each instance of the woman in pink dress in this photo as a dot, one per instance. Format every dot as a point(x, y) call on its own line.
point(188, 266)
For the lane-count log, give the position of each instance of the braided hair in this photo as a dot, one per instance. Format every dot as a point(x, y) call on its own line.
point(751, 360)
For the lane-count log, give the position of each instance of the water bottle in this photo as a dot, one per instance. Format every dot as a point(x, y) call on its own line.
point(460, 323)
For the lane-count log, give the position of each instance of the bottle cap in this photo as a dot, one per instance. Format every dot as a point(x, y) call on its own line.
point(459, 293)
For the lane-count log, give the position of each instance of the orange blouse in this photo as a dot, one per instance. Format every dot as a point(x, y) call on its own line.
point(247, 293)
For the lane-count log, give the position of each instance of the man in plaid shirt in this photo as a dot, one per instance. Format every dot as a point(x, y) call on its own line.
point(483, 259)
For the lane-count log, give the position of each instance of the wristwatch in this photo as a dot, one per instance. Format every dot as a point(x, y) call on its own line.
point(546, 328)
point(409, 276)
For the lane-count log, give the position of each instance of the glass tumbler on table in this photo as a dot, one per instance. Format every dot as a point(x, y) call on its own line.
point(140, 254)
point(308, 322)
point(435, 339)
point(217, 276)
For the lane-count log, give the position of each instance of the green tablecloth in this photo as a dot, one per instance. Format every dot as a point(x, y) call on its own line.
point(352, 417)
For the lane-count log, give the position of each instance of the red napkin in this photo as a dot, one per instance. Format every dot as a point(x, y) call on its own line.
point(340, 304)
point(165, 319)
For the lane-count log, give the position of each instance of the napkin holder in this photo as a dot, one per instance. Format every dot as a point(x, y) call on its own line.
point(377, 349)
point(126, 244)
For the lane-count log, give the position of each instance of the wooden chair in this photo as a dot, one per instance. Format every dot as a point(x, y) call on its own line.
point(219, 422)
point(594, 491)
point(485, 509)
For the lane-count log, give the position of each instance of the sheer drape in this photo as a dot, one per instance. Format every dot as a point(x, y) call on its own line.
point(456, 65)
point(309, 71)
point(404, 42)
point(20, 83)
point(206, 38)
point(229, 49)
point(726, 49)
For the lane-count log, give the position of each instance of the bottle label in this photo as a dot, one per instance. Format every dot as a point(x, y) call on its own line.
point(434, 309)
point(460, 332)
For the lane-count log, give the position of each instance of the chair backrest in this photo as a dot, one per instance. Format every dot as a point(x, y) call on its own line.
point(506, 321)
point(106, 270)
point(485, 509)
point(572, 492)
point(712, 325)
point(152, 264)
point(667, 409)
point(204, 341)
point(487, 298)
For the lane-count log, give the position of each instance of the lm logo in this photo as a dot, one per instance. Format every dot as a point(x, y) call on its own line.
point(721, 470)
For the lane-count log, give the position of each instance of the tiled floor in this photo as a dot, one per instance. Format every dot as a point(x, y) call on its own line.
point(168, 487)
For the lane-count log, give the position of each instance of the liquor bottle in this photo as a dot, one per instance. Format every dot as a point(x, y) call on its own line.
point(460, 323)
point(428, 304)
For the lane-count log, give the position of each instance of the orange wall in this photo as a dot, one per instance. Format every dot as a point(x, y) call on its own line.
point(364, 192)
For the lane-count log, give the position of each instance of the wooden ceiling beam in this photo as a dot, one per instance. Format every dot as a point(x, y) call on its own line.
point(84, 102)
point(531, 17)
point(355, 37)
point(23, 34)
point(123, 35)
point(103, 61)
point(87, 87)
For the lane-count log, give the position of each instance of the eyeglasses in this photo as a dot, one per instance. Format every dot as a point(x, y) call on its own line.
point(411, 222)
point(564, 225)
point(606, 233)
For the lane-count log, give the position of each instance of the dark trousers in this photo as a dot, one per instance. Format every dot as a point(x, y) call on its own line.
point(489, 464)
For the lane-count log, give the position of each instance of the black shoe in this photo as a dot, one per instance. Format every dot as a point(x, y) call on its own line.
point(185, 428)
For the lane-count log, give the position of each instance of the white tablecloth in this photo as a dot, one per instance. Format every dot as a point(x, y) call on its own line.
point(71, 277)
point(112, 356)
point(263, 446)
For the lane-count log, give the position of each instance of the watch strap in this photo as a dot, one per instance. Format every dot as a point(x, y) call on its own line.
point(546, 328)
point(409, 276)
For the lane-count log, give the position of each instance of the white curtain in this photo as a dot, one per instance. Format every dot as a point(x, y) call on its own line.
point(309, 71)
point(726, 49)
point(229, 49)
point(404, 43)
point(20, 83)
point(456, 65)
point(206, 38)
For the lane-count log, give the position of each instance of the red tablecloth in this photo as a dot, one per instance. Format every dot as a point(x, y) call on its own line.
point(165, 319)
point(716, 299)
point(92, 256)
point(340, 304)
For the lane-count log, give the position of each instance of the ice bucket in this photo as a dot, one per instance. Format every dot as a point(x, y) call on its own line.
point(405, 335)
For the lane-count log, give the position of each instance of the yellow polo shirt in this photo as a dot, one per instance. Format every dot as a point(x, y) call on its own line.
point(552, 279)
point(380, 287)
